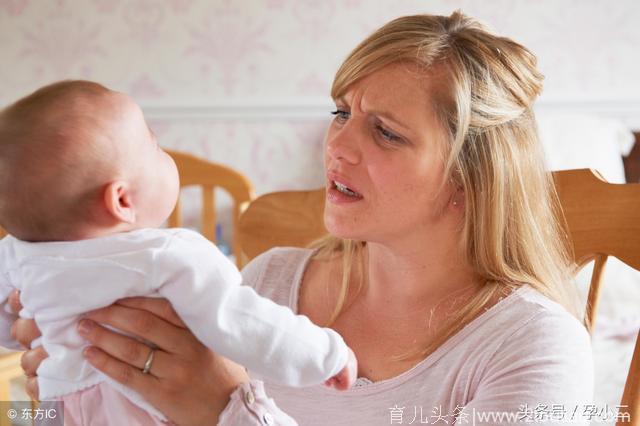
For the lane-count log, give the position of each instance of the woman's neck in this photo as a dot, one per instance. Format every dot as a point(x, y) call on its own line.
point(405, 280)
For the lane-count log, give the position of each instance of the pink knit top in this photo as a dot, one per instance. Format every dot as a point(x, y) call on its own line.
point(524, 360)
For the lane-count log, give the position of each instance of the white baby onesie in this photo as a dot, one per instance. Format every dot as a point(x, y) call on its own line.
point(59, 281)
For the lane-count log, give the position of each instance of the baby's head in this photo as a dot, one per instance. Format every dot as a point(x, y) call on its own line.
point(78, 161)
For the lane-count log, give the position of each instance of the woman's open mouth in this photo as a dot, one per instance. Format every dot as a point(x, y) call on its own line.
point(345, 190)
point(340, 193)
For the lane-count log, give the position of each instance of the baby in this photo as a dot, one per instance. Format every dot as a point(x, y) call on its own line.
point(83, 186)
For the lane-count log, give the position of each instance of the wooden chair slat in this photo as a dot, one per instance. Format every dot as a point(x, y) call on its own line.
point(208, 176)
point(208, 213)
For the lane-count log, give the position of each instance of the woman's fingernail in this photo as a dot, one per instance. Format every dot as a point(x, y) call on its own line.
point(90, 352)
point(84, 327)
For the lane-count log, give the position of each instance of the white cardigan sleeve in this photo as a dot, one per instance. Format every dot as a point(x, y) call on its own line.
point(204, 288)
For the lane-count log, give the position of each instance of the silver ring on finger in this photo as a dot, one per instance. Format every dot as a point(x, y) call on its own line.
point(148, 362)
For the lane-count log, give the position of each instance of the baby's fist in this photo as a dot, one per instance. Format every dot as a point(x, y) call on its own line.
point(347, 376)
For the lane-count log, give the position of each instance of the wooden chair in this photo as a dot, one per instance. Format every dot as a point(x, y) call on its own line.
point(290, 218)
point(195, 171)
point(603, 220)
point(9, 369)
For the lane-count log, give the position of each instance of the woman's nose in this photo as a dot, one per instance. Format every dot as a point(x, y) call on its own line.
point(342, 145)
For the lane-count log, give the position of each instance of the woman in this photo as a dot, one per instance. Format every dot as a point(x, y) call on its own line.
point(444, 270)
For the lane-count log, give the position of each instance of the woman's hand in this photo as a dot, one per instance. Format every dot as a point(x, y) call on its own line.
point(24, 331)
point(187, 382)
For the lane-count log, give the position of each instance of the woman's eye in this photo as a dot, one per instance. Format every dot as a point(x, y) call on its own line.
point(387, 135)
point(341, 115)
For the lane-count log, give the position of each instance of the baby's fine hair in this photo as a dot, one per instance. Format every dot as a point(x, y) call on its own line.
point(52, 160)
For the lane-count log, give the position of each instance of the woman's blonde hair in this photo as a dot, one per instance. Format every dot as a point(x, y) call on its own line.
point(483, 97)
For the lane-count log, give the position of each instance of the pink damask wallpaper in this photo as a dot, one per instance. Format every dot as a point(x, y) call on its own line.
point(246, 82)
point(199, 50)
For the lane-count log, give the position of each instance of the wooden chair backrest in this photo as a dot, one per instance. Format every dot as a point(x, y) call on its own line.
point(196, 171)
point(280, 219)
point(602, 219)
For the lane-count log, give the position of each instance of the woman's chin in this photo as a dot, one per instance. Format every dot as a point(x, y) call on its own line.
point(344, 229)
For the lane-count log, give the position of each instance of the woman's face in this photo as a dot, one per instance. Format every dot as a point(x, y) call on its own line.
point(384, 159)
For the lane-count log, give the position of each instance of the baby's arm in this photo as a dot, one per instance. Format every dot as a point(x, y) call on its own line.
point(347, 376)
point(233, 320)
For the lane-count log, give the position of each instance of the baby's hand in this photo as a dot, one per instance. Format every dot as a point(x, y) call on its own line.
point(347, 376)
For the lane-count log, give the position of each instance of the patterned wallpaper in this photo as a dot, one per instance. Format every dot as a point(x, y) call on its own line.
point(245, 82)
point(201, 51)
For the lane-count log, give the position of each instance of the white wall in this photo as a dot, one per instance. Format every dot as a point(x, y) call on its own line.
point(246, 82)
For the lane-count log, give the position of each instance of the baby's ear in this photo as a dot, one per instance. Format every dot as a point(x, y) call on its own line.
point(117, 200)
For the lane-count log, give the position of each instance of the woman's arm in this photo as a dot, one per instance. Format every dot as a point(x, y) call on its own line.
point(187, 382)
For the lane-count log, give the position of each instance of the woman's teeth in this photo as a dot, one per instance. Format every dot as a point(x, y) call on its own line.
point(342, 188)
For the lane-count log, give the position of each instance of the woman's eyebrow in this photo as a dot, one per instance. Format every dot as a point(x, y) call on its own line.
point(386, 115)
point(340, 100)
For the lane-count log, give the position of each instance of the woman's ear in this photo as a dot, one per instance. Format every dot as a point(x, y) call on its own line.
point(457, 199)
point(117, 200)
